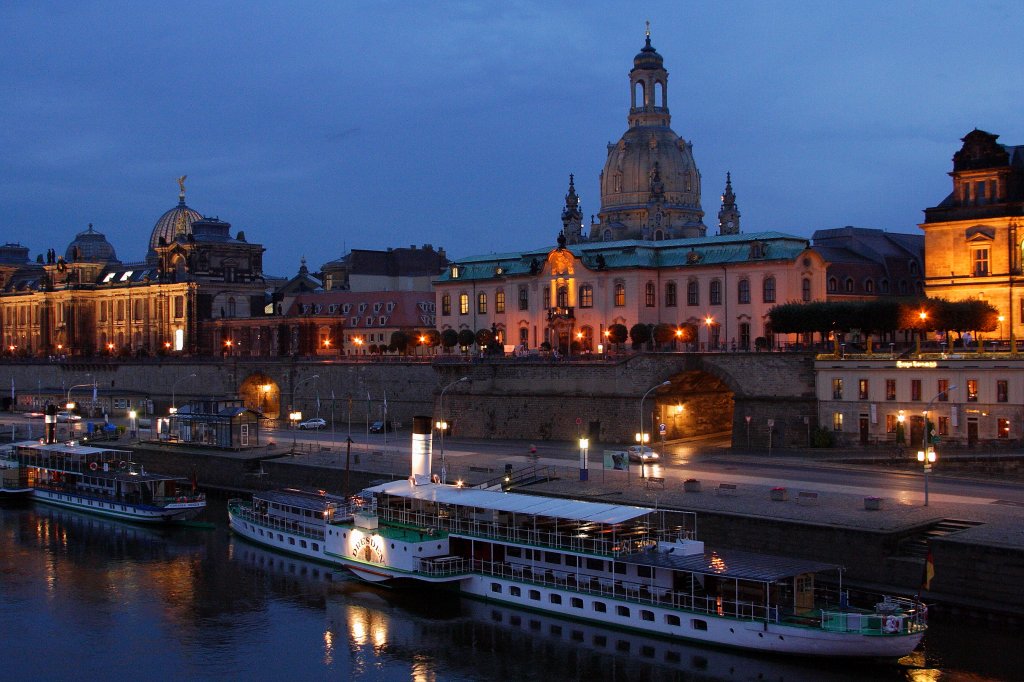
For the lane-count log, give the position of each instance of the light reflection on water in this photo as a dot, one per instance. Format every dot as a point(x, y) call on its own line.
point(109, 600)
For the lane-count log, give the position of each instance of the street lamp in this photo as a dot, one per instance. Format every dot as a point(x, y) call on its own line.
point(923, 316)
point(442, 425)
point(643, 437)
point(174, 410)
point(708, 321)
point(68, 405)
point(132, 414)
point(927, 458)
point(1001, 318)
point(584, 446)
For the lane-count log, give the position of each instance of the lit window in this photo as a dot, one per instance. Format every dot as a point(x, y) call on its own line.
point(499, 301)
point(837, 421)
point(972, 390)
point(463, 304)
point(620, 294)
point(837, 389)
point(586, 296)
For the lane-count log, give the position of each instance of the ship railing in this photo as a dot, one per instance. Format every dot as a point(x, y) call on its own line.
point(589, 543)
point(636, 592)
point(182, 498)
point(440, 567)
point(891, 616)
point(242, 509)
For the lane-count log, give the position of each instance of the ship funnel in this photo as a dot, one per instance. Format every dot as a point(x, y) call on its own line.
point(421, 448)
point(50, 416)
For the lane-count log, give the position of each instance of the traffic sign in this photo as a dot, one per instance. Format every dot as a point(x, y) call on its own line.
point(579, 420)
point(748, 418)
point(661, 428)
point(771, 423)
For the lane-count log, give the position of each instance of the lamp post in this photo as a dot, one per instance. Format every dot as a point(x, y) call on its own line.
point(132, 414)
point(584, 469)
point(174, 408)
point(643, 437)
point(68, 405)
point(442, 426)
point(923, 316)
point(708, 321)
point(926, 457)
point(1001, 319)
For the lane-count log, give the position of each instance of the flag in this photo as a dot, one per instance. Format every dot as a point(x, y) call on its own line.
point(929, 571)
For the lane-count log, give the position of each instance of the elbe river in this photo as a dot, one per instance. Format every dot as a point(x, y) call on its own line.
point(84, 598)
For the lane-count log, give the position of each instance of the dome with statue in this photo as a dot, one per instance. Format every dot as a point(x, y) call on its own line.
point(90, 246)
point(177, 221)
point(650, 185)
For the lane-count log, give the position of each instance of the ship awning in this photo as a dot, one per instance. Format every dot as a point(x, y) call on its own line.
point(731, 563)
point(515, 503)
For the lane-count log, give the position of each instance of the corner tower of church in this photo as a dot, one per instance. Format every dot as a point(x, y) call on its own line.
point(650, 185)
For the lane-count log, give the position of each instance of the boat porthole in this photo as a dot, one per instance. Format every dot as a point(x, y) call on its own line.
point(405, 549)
point(782, 638)
point(439, 546)
point(760, 634)
point(732, 631)
point(392, 545)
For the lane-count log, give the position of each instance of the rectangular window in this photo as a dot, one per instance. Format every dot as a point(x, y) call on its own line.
point(837, 421)
point(671, 619)
point(693, 294)
point(837, 389)
point(546, 303)
point(715, 292)
point(1004, 428)
point(979, 259)
point(622, 611)
point(576, 602)
point(1002, 391)
point(524, 299)
point(620, 295)
point(499, 301)
point(481, 303)
point(649, 295)
point(446, 304)
point(179, 307)
point(890, 423)
point(769, 290)
point(943, 390)
point(600, 607)
point(890, 389)
point(862, 389)
point(670, 295)
point(972, 390)
point(915, 389)
point(743, 291)
point(586, 296)
point(943, 426)
point(463, 304)
point(555, 598)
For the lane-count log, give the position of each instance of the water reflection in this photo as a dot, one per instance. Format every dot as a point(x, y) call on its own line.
point(131, 601)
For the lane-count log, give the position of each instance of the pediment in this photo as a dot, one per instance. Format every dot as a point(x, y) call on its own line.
point(979, 233)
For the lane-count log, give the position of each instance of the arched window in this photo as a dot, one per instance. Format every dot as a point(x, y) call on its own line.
point(869, 286)
point(833, 284)
point(586, 338)
point(649, 295)
point(586, 296)
point(524, 336)
point(231, 307)
point(715, 292)
point(768, 290)
point(463, 304)
point(659, 94)
point(446, 304)
point(607, 235)
point(805, 289)
point(481, 303)
point(693, 292)
point(849, 285)
point(658, 235)
point(562, 297)
point(903, 286)
point(499, 301)
point(743, 291)
point(638, 94)
point(884, 286)
point(620, 294)
point(670, 294)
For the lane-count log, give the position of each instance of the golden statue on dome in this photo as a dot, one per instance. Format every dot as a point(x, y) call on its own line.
point(181, 185)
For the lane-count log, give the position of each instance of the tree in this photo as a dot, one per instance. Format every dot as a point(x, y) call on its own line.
point(399, 341)
point(617, 334)
point(483, 338)
point(449, 339)
point(466, 338)
point(433, 338)
point(639, 334)
point(664, 334)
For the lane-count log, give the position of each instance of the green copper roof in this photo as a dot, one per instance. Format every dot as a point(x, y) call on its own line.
point(634, 253)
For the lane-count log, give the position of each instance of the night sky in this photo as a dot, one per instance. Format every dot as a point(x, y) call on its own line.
point(321, 127)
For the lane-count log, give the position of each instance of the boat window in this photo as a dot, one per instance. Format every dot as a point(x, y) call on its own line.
point(645, 571)
point(556, 599)
point(671, 620)
point(647, 615)
point(302, 543)
point(698, 624)
point(280, 537)
point(514, 591)
point(622, 645)
point(576, 635)
point(576, 603)
point(553, 558)
point(673, 657)
point(555, 630)
point(571, 560)
point(316, 547)
point(496, 587)
point(595, 564)
point(600, 607)
point(291, 541)
point(620, 569)
point(622, 611)
point(647, 651)
point(535, 595)
point(514, 551)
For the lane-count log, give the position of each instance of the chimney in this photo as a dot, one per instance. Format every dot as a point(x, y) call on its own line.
point(422, 435)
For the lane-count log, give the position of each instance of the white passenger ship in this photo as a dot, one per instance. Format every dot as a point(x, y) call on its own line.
point(613, 565)
point(288, 520)
point(98, 480)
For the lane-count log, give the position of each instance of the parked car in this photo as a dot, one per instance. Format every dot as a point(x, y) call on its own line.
point(380, 427)
point(642, 453)
point(66, 416)
point(314, 423)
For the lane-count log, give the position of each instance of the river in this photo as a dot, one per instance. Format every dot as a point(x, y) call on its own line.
point(84, 598)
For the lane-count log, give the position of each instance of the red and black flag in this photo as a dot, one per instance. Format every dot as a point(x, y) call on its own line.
point(929, 571)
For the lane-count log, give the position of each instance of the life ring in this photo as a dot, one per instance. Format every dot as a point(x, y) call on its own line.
point(891, 624)
point(93, 466)
point(435, 479)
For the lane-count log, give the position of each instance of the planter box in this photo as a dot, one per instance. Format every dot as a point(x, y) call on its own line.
point(779, 494)
point(873, 503)
point(691, 485)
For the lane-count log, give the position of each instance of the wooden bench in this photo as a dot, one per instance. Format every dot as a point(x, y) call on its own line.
point(726, 489)
point(807, 497)
point(655, 480)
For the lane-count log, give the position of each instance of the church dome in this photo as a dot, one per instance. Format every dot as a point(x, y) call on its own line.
point(90, 246)
point(176, 221)
point(650, 185)
point(13, 254)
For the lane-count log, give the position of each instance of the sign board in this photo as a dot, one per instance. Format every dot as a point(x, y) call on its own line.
point(771, 423)
point(579, 420)
point(661, 428)
point(748, 418)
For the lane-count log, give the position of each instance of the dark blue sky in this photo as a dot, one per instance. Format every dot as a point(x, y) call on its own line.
point(320, 127)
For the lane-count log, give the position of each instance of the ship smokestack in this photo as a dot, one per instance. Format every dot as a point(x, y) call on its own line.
point(50, 417)
point(422, 448)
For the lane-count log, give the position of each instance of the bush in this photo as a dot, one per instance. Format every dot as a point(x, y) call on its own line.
point(822, 438)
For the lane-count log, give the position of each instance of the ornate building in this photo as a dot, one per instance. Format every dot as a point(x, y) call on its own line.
point(650, 185)
point(973, 238)
point(88, 302)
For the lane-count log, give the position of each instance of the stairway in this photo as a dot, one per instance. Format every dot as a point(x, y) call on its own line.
point(917, 545)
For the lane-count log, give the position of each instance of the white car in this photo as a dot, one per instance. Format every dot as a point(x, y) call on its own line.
point(641, 453)
point(314, 423)
point(66, 416)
